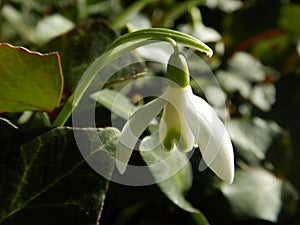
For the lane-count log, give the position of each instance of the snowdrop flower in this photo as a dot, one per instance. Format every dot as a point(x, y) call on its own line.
point(187, 121)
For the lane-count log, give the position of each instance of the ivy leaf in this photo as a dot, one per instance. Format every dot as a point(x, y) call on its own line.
point(264, 96)
point(49, 172)
point(252, 138)
point(29, 80)
point(255, 194)
point(172, 172)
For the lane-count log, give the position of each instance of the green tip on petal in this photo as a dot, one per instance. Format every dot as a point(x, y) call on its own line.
point(171, 138)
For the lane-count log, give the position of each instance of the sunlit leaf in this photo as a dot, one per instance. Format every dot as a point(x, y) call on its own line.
point(264, 96)
point(255, 194)
point(50, 27)
point(156, 52)
point(139, 21)
point(225, 5)
point(50, 172)
point(204, 33)
point(246, 66)
point(246, 74)
point(233, 83)
point(29, 80)
point(252, 138)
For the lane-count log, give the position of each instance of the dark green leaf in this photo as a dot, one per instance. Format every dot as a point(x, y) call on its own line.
point(172, 171)
point(29, 80)
point(50, 172)
point(7, 131)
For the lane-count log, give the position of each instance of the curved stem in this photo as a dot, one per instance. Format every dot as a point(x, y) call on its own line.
point(121, 45)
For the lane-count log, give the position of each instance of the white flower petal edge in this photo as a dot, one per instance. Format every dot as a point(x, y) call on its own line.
point(211, 135)
point(133, 129)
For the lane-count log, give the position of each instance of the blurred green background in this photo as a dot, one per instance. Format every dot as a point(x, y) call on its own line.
point(256, 47)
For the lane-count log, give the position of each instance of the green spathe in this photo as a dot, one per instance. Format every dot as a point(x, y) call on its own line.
point(177, 69)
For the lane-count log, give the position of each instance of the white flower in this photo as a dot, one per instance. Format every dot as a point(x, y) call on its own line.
point(187, 120)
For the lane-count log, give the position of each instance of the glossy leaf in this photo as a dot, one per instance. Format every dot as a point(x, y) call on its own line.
point(172, 171)
point(246, 66)
point(29, 80)
point(252, 138)
point(49, 172)
point(264, 96)
point(50, 27)
point(255, 194)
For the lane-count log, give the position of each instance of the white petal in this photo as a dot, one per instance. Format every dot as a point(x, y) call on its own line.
point(211, 135)
point(187, 135)
point(172, 118)
point(173, 129)
point(133, 129)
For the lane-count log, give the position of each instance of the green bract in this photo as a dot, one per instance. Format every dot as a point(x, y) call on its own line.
point(177, 70)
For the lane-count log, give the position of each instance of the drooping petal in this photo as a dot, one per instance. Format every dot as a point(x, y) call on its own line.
point(169, 127)
point(133, 129)
point(186, 136)
point(211, 135)
point(173, 129)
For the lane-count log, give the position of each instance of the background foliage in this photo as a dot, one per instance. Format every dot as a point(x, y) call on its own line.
point(43, 178)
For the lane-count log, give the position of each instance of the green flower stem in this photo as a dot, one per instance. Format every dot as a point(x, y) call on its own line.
point(160, 34)
point(121, 45)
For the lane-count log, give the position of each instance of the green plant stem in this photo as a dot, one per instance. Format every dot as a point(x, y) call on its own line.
point(121, 45)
